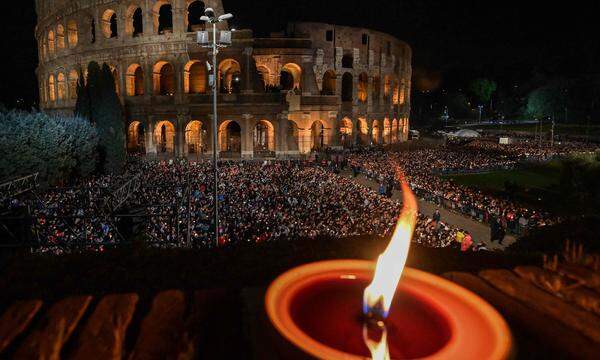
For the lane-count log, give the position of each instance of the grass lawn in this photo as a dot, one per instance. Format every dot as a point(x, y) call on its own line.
point(535, 186)
point(536, 177)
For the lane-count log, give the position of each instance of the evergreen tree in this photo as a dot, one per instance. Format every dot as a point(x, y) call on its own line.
point(57, 148)
point(82, 106)
point(100, 104)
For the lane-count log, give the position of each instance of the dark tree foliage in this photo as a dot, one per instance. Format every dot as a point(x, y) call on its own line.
point(58, 148)
point(99, 102)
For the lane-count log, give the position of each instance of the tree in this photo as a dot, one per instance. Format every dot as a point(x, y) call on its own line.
point(545, 101)
point(100, 103)
point(482, 90)
point(57, 148)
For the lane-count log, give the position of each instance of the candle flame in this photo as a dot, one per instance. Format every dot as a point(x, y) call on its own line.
point(379, 294)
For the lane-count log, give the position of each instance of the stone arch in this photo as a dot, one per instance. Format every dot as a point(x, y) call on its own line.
point(394, 130)
point(61, 86)
point(164, 137)
point(396, 93)
point(363, 130)
point(135, 137)
point(195, 137)
point(230, 137)
point(229, 76)
point(290, 76)
point(263, 137)
point(387, 131)
point(293, 136)
point(135, 80)
point(134, 23)
point(162, 16)
point(363, 84)
point(375, 132)
point(60, 36)
point(329, 83)
point(72, 33)
point(115, 73)
point(109, 24)
point(345, 130)
point(73, 78)
point(163, 78)
point(51, 88)
point(347, 85)
point(195, 9)
point(194, 77)
point(51, 42)
point(318, 140)
point(265, 76)
point(348, 61)
point(386, 85)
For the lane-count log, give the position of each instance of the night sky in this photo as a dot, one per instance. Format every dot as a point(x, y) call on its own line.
point(453, 40)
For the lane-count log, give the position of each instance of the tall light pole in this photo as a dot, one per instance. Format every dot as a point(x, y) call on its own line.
point(224, 40)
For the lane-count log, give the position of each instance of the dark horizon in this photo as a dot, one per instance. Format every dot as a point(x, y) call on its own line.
point(456, 41)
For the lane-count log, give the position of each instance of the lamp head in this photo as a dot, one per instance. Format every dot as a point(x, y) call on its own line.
point(225, 17)
point(210, 13)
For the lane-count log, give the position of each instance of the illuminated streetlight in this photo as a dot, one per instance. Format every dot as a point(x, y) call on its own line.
point(224, 41)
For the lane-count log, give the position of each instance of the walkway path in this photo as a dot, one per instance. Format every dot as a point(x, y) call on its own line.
point(479, 231)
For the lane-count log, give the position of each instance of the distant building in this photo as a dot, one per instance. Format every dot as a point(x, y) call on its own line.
point(313, 86)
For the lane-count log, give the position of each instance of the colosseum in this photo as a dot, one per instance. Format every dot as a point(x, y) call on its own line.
point(311, 86)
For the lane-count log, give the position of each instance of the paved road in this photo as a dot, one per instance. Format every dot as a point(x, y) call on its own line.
point(479, 231)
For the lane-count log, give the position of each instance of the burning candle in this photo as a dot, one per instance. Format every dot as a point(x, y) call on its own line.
point(352, 309)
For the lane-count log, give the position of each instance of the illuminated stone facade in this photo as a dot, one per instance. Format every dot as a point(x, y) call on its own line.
point(314, 85)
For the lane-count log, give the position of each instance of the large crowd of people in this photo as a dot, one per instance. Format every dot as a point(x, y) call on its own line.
point(423, 167)
point(283, 200)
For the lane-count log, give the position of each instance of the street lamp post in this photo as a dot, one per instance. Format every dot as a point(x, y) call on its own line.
point(225, 40)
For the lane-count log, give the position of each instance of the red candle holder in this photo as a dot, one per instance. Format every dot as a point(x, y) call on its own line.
point(318, 308)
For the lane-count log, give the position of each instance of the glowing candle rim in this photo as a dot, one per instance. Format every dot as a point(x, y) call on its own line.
point(280, 295)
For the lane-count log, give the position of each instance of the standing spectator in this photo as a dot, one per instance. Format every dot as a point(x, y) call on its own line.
point(466, 242)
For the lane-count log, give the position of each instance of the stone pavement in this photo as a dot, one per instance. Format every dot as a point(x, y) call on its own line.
point(479, 231)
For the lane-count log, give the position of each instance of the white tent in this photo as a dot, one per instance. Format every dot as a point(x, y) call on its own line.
point(466, 134)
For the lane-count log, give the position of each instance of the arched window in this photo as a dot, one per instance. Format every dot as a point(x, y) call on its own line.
point(230, 135)
point(116, 78)
point(72, 34)
point(51, 42)
point(194, 80)
point(194, 137)
point(62, 87)
point(51, 88)
point(375, 134)
point(135, 21)
point(347, 61)
point(329, 83)
point(363, 83)
point(229, 76)
point(386, 86)
point(164, 137)
point(345, 131)
point(194, 11)
point(317, 135)
point(291, 74)
point(73, 77)
point(347, 87)
point(135, 80)
point(387, 131)
point(396, 94)
point(60, 36)
point(265, 77)
point(264, 136)
point(164, 79)
point(135, 137)
point(109, 24)
point(163, 17)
